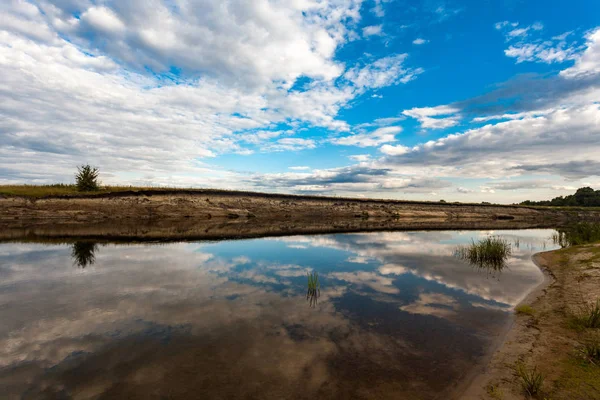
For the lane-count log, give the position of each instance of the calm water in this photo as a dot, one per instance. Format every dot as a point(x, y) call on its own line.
point(398, 316)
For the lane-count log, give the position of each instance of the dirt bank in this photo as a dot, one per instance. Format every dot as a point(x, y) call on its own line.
point(250, 214)
point(548, 337)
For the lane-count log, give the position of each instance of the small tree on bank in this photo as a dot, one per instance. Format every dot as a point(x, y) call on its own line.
point(86, 178)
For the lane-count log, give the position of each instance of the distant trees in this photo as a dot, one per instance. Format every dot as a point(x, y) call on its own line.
point(583, 197)
point(86, 178)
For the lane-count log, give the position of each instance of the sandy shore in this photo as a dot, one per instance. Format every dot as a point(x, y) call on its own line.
point(214, 215)
point(548, 338)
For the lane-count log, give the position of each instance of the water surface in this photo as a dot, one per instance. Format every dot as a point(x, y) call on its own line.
point(398, 316)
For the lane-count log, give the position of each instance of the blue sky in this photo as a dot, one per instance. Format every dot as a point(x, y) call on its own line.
point(460, 100)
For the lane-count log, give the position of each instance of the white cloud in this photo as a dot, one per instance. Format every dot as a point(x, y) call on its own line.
point(104, 20)
point(360, 157)
point(588, 62)
point(373, 30)
point(537, 50)
point(564, 142)
point(419, 41)
point(394, 150)
point(432, 117)
point(383, 72)
point(299, 168)
point(375, 138)
point(291, 144)
point(67, 102)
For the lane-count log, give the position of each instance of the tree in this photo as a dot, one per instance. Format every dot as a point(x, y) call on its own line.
point(87, 178)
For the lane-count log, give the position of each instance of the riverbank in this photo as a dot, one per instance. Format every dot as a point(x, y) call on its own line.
point(547, 333)
point(272, 213)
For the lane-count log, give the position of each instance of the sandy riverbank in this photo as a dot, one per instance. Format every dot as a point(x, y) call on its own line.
point(548, 338)
point(243, 214)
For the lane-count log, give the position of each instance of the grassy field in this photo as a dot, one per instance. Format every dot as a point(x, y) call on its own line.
point(38, 191)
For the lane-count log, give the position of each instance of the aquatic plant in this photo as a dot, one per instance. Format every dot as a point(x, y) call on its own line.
point(490, 253)
point(531, 379)
point(314, 288)
point(86, 178)
point(84, 253)
point(578, 234)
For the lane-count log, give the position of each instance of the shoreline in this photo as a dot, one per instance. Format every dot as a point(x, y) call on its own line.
point(545, 339)
point(214, 214)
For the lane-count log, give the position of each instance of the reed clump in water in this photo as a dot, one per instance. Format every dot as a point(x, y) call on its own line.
point(314, 288)
point(489, 253)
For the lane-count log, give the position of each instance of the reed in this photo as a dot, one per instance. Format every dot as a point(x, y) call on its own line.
point(489, 253)
point(314, 288)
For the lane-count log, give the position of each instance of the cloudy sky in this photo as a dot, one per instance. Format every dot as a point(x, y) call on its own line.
point(461, 100)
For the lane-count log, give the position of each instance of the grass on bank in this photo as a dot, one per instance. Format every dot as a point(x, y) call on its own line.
point(61, 189)
point(532, 380)
point(578, 234)
point(524, 309)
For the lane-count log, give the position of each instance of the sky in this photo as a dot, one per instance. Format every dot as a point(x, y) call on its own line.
point(486, 100)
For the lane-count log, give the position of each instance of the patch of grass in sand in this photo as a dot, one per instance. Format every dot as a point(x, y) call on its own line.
point(525, 309)
point(532, 380)
point(494, 392)
point(579, 379)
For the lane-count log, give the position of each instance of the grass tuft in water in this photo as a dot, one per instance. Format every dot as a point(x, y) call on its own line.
point(489, 253)
point(84, 253)
point(314, 288)
point(531, 379)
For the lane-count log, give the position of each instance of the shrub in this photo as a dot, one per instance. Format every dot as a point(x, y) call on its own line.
point(86, 178)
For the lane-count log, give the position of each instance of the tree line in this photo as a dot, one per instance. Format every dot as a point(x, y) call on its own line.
point(583, 197)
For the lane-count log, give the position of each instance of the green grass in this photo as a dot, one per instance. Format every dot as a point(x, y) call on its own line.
point(590, 351)
point(590, 315)
point(37, 191)
point(524, 309)
point(495, 392)
point(490, 253)
point(532, 380)
point(578, 234)
point(314, 288)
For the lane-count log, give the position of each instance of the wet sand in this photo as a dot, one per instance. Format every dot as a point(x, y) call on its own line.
point(548, 339)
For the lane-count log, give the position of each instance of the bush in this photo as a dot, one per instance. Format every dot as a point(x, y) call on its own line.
point(86, 178)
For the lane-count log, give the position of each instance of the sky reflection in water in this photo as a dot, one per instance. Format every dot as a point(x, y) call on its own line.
point(397, 316)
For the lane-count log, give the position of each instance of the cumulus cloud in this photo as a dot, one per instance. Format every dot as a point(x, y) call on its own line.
point(419, 41)
point(375, 138)
point(78, 90)
point(383, 72)
point(439, 117)
point(587, 63)
point(528, 144)
point(372, 30)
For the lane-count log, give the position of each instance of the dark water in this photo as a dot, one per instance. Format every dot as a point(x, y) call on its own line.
point(398, 316)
